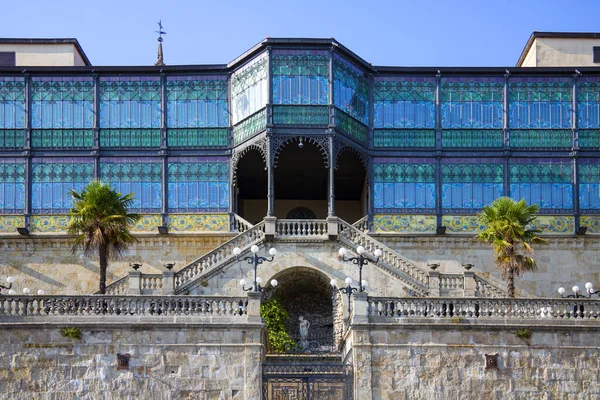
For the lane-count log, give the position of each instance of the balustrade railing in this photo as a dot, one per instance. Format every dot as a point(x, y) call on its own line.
point(362, 224)
point(218, 257)
point(150, 282)
point(450, 282)
point(300, 227)
point(120, 286)
point(485, 289)
point(240, 224)
point(393, 262)
point(20, 306)
point(391, 308)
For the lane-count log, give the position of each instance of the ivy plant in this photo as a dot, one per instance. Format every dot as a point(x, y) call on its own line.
point(276, 318)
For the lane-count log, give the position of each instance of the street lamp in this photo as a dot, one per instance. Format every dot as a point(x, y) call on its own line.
point(361, 260)
point(589, 288)
point(349, 289)
point(10, 281)
point(255, 259)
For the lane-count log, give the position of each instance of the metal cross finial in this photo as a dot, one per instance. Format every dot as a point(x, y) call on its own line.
point(160, 31)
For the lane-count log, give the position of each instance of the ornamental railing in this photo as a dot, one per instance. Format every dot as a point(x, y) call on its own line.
point(122, 306)
point(301, 228)
point(301, 115)
point(120, 286)
point(240, 224)
point(390, 260)
point(389, 309)
point(362, 224)
point(485, 289)
point(151, 282)
point(218, 257)
point(451, 282)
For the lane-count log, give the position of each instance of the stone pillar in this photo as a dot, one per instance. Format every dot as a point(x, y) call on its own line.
point(360, 308)
point(469, 284)
point(434, 284)
point(168, 283)
point(363, 382)
point(135, 282)
point(270, 228)
point(253, 307)
point(332, 227)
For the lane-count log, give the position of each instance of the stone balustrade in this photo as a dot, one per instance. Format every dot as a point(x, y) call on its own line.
point(303, 228)
point(16, 307)
point(393, 309)
point(240, 224)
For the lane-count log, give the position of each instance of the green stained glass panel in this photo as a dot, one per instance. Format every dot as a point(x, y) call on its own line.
point(467, 138)
point(398, 138)
point(205, 137)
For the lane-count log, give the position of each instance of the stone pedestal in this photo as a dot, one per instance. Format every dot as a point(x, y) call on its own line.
point(135, 282)
point(168, 283)
point(469, 284)
point(360, 311)
point(434, 284)
point(332, 227)
point(270, 229)
point(253, 308)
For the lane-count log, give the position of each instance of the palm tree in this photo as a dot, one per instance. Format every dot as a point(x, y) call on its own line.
point(506, 222)
point(100, 222)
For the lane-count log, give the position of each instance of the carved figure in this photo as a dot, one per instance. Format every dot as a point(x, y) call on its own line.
point(304, 325)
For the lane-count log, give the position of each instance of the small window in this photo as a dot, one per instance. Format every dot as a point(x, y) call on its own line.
point(7, 59)
point(597, 54)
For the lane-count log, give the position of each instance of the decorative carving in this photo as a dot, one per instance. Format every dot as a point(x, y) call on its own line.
point(321, 141)
point(259, 143)
point(341, 146)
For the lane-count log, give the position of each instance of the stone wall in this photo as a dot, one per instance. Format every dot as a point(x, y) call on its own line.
point(168, 361)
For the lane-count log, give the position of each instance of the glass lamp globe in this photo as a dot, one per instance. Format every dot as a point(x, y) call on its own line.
point(333, 282)
point(378, 253)
point(41, 292)
point(561, 290)
point(254, 248)
point(237, 251)
point(589, 286)
point(575, 289)
point(360, 249)
point(10, 279)
point(342, 251)
point(12, 292)
point(273, 251)
point(243, 282)
point(26, 290)
point(259, 280)
point(364, 283)
point(348, 281)
point(274, 282)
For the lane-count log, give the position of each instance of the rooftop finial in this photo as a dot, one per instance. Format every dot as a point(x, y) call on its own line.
point(159, 61)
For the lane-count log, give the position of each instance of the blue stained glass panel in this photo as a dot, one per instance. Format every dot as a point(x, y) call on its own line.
point(197, 101)
point(543, 103)
point(472, 103)
point(546, 182)
point(471, 196)
point(130, 102)
point(62, 102)
point(547, 195)
point(52, 182)
point(404, 102)
point(12, 102)
point(12, 186)
point(300, 77)
point(401, 195)
point(198, 185)
point(140, 176)
point(249, 89)
point(589, 184)
point(350, 89)
point(588, 102)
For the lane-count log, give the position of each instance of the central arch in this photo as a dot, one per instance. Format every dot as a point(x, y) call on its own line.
point(306, 292)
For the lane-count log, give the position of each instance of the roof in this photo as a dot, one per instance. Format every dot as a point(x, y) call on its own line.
point(72, 41)
point(556, 35)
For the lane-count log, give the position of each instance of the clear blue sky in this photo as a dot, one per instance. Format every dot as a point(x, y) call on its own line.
point(383, 32)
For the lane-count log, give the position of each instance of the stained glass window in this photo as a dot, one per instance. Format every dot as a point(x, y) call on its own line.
point(62, 102)
point(12, 102)
point(54, 178)
point(130, 102)
point(300, 77)
point(589, 185)
point(472, 103)
point(404, 102)
point(468, 185)
point(249, 89)
point(350, 89)
point(547, 182)
point(588, 103)
point(137, 175)
point(198, 184)
point(12, 186)
point(403, 185)
point(197, 101)
point(540, 103)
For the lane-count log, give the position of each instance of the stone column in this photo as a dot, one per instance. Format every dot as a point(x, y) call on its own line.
point(361, 347)
point(434, 284)
point(360, 308)
point(253, 349)
point(135, 282)
point(168, 283)
point(253, 307)
point(469, 284)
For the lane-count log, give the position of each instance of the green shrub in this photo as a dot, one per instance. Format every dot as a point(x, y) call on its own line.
point(276, 317)
point(74, 333)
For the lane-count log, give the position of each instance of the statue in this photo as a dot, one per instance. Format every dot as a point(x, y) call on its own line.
point(304, 325)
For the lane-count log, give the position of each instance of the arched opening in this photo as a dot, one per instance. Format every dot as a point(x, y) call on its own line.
point(351, 190)
point(300, 180)
point(251, 189)
point(307, 296)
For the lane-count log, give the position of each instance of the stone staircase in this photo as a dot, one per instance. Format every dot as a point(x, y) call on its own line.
point(418, 282)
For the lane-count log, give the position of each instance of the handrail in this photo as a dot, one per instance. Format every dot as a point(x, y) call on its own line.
point(484, 288)
point(387, 308)
point(390, 260)
point(452, 281)
point(240, 224)
point(218, 257)
point(362, 224)
point(120, 286)
point(151, 282)
point(124, 306)
point(301, 228)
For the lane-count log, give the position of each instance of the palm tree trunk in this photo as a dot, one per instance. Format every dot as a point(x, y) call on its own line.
point(102, 253)
point(511, 282)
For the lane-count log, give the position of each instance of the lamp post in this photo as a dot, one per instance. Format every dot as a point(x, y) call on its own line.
point(349, 289)
point(10, 281)
point(361, 260)
point(255, 260)
point(589, 288)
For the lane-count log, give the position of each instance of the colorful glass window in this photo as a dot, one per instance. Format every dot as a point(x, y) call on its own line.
point(12, 102)
point(588, 103)
point(472, 103)
point(300, 77)
point(404, 185)
point(62, 102)
point(546, 182)
point(12, 186)
point(249, 89)
point(52, 182)
point(468, 185)
point(197, 101)
point(404, 102)
point(198, 184)
point(540, 103)
point(350, 89)
point(140, 176)
point(589, 185)
point(130, 102)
